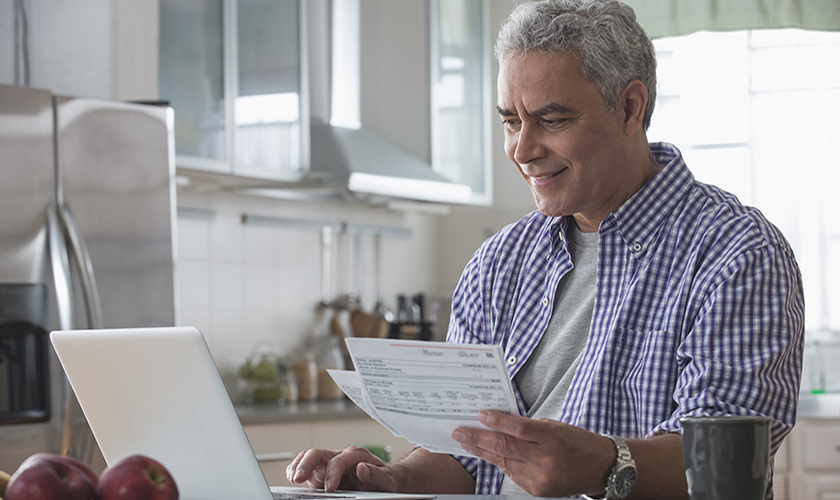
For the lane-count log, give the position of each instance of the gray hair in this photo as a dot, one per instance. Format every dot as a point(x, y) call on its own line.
point(613, 47)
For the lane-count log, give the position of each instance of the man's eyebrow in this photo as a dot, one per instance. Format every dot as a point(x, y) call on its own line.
point(504, 112)
point(549, 109)
point(545, 110)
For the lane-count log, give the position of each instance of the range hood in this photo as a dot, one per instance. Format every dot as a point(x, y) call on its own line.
point(341, 149)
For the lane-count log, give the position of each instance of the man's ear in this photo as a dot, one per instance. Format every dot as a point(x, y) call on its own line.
point(633, 101)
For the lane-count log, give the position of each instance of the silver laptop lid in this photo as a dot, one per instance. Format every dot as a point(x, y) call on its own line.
point(156, 391)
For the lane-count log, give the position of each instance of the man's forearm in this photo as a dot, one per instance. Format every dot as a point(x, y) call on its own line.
point(424, 472)
point(659, 463)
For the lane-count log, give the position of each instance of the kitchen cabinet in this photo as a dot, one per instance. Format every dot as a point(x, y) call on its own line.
point(277, 438)
point(234, 72)
point(462, 100)
point(250, 82)
point(781, 472)
point(812, 470)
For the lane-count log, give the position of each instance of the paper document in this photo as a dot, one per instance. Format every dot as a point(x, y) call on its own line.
point(422, 391)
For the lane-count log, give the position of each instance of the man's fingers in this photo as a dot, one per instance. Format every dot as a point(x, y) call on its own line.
point(493, 446)
point(514, 425)
point(375, 478)
point(347, 462)
point(292, 467)
point(302, 467)
point(354, 468)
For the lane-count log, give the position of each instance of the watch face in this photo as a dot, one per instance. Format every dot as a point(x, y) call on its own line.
point(624, 480)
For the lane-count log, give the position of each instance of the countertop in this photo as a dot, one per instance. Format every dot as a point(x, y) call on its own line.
point(811, 406)
point(819, 406)
point(298, 412)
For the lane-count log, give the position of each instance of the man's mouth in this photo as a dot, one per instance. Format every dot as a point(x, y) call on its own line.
point(546, 177)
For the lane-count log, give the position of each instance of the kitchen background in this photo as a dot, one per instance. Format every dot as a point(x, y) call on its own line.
point(239, 283)
point(754, 99)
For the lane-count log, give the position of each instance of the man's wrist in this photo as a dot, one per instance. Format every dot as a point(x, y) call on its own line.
point(606, 455)
point(621, 478)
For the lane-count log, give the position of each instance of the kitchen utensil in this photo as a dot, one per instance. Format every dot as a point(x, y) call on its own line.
point(366, 324)
point(379, 309)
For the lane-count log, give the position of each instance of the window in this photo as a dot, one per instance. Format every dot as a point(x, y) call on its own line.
point(755, 112)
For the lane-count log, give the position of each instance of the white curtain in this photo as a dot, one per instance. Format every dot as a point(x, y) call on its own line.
point(662, 18)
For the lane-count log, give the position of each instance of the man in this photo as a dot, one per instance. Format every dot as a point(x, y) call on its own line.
point(633, 297)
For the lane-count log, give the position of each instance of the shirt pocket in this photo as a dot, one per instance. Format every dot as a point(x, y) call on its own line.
point(645, 372)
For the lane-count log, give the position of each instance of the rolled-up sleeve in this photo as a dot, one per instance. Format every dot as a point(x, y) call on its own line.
point(743, 354)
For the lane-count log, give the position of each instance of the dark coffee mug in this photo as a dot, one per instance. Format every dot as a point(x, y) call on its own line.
point(726, 457)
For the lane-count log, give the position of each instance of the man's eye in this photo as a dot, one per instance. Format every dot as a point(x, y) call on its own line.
point(511, 124)
point(554, 122)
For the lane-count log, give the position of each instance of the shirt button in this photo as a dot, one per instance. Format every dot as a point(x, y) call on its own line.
point(545, 302)
point(511, 360)
point(637, 247)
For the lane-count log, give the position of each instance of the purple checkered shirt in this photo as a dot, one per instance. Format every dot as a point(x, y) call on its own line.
point(698, 311)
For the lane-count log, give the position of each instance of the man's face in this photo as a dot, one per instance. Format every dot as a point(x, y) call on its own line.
point(560, 136)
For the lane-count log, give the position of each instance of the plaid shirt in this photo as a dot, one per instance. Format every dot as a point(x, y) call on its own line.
point(698, 311)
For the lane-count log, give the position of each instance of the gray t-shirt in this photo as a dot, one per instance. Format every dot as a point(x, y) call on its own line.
point(545, 377)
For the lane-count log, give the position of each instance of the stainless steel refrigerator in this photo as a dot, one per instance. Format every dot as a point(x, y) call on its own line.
point(87, 232)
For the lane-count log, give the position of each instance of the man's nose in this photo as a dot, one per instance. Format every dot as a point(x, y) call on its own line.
point(529, 145)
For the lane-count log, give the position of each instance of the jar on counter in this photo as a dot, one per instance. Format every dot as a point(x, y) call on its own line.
point(330, 357)
point(816, 367)
point(260, 379)
point(287, 379)
point(305, 369)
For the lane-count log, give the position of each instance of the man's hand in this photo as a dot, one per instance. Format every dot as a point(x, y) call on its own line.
point(351, 469)
point(544, 457)
point(553, 459)
point(356, 469)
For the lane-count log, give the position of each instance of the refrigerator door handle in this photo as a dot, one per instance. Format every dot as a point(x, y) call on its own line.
point(60, 269)
point(94, 311)
point(64, 301)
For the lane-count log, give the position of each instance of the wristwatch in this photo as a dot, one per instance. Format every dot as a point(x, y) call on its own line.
point(622, 479)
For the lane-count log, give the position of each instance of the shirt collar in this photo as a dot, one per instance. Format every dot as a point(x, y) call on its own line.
point(640, 217)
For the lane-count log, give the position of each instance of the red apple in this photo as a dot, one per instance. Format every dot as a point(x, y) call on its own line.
point(50, 477)
point(137, 477)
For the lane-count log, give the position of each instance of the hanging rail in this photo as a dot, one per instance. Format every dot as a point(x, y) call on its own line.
point(340, 227)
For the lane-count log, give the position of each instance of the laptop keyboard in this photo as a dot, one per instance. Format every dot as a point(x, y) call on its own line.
point(307, 496)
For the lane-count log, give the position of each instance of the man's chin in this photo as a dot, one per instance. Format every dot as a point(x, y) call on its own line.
point(549, 210)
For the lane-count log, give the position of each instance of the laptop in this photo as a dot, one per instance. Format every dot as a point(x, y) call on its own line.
point(156, 392)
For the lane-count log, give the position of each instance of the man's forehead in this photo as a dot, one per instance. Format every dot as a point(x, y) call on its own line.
point(541, 83)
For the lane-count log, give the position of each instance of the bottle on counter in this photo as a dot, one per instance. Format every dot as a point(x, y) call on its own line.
point(305, 370)
point(816, 369)
point(287, 379)
point(403, 314)
point(330, 357)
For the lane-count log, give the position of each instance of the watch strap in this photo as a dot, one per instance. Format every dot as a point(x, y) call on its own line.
point(623, 458)
point(622, 461)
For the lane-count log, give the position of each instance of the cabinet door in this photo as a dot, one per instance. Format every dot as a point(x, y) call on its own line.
point(271, 441)
point(358, 432)
point(821, 488)
point(233, 72)
point(780, 487)
point(462, 95)
point(267, 109)
point(192, 80)
point(781, 469)
point(821, 444)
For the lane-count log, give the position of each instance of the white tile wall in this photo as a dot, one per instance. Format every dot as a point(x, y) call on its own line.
point(241, 283)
